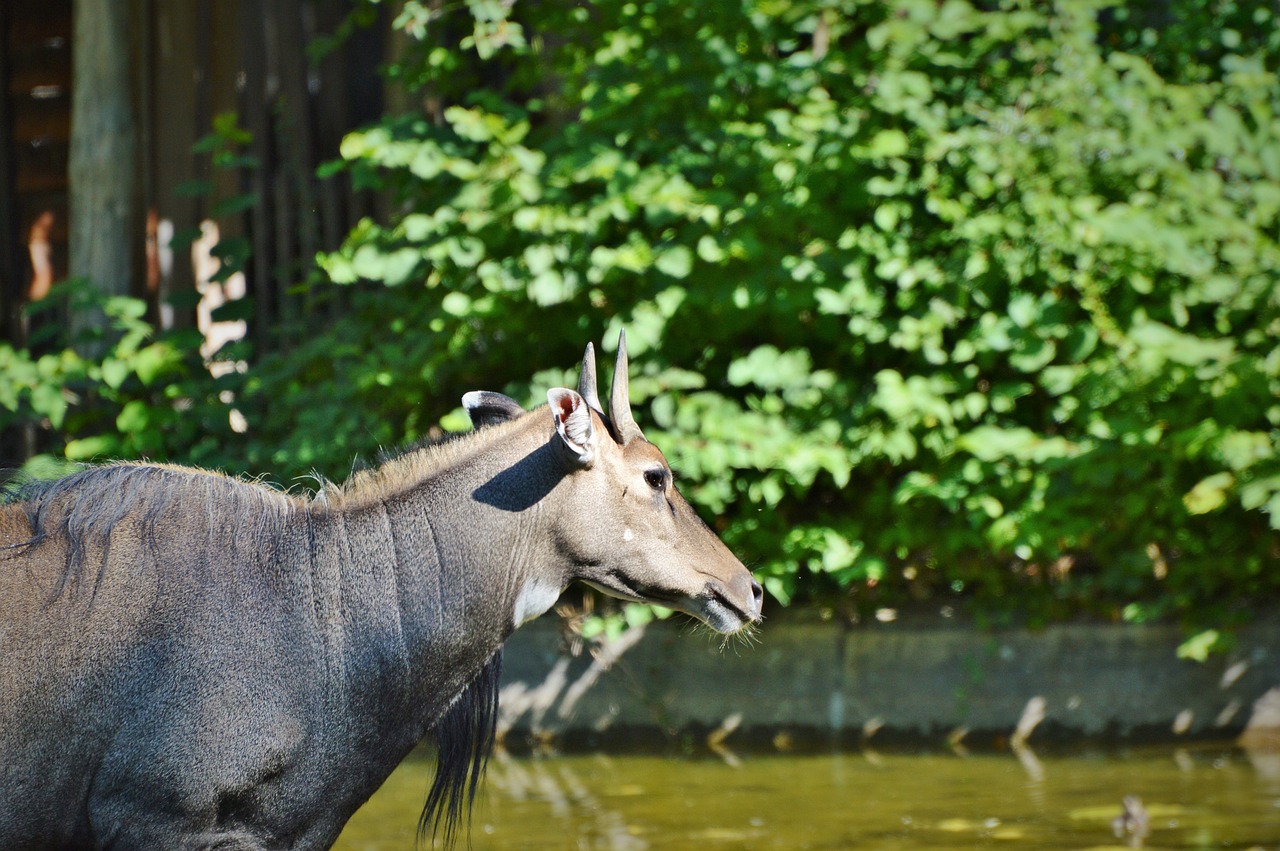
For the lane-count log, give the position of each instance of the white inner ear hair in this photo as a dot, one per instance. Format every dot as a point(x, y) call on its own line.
point(578, 427)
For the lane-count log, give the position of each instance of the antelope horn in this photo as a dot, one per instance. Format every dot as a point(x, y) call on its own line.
point(619, 398)
point(587, 379)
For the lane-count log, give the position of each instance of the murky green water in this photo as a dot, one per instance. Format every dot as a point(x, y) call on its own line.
point(1195, 797)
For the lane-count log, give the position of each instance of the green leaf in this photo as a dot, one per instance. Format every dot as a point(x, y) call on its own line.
point(124, 307)
point(780, 588)
point(133, 417)
point(1258, 493)
point(548, 288)
point(89, 448)
point(400, 266)
point(888, 143)
point(152, 362)
point(456, 304)
point(676, 262)
point(114, 372)
point(47, 400)
point(1198, 647)
point(1209, 494)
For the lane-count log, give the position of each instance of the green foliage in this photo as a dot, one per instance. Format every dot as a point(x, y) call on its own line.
point(609, 626)
point(146, 395)
point(926, 298)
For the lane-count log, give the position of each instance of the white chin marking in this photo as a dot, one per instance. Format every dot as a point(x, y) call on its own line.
point(628, 535)
point(536, 597)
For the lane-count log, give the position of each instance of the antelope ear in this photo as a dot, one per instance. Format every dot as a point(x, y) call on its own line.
point(573, 423)
point(488, 408)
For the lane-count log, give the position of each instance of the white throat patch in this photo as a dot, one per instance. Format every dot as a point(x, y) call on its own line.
point(536, 597)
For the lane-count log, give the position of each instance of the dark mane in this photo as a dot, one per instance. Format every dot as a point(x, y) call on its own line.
point(83, 508)
point(464, 738)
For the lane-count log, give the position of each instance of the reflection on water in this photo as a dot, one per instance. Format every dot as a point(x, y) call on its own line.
point(1198, 797)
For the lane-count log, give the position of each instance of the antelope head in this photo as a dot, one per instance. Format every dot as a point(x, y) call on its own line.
point(636, 537)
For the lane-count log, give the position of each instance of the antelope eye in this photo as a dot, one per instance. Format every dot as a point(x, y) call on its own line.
point(656, 478)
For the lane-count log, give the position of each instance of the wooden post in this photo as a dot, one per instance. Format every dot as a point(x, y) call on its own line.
point(103, 160)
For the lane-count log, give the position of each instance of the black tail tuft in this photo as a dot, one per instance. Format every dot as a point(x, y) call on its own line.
point(464, 738)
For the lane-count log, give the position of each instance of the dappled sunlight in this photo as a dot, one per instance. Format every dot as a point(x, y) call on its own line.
point(40, 252)
point(214, 294)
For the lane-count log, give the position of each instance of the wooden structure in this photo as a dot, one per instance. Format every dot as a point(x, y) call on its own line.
point(191, 61)
point(35, 122)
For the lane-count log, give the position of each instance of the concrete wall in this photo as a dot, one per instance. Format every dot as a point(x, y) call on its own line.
point(805, 675)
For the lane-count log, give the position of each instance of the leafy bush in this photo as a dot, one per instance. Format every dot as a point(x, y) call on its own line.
point(142, 395)
point(925, 297)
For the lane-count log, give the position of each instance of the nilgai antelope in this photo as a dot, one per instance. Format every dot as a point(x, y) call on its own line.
point(192, 661)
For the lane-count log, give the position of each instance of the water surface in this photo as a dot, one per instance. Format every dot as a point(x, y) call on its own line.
point(1204, 796)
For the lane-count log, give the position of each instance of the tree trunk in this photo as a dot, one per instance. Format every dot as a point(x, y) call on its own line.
point(103, 156)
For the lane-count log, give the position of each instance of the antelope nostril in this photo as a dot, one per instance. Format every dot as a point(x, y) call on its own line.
point(757, 595)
